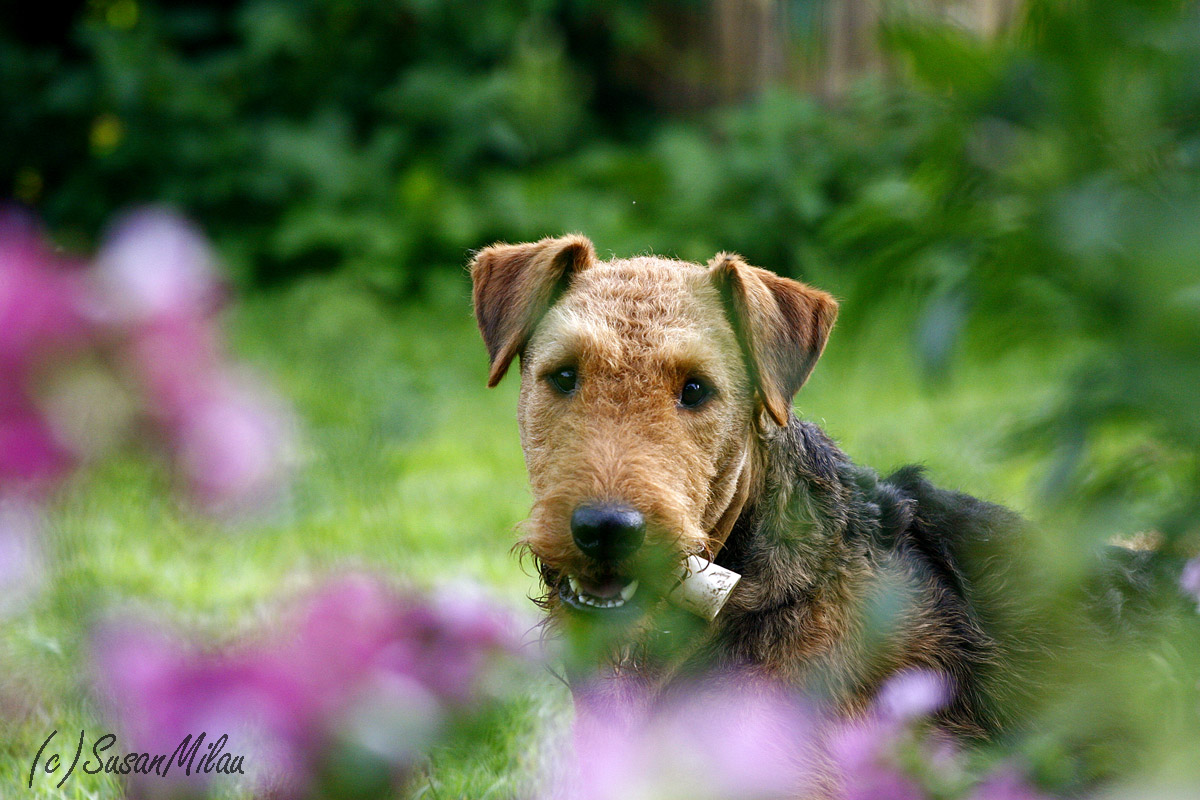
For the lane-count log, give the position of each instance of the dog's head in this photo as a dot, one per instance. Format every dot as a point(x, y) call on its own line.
point(643, 385)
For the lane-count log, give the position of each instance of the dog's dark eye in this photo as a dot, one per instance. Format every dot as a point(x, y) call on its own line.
point(695, 391)
point(563, 379)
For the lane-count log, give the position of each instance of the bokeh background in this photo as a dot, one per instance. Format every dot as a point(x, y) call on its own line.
point(1005, 197)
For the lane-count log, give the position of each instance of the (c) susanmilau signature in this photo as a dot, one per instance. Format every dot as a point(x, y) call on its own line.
point(187, 756)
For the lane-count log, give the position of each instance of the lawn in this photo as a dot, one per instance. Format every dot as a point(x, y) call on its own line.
point(407, 464)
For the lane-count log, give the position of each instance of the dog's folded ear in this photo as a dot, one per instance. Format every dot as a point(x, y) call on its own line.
point(514, 286)
point(781, 324)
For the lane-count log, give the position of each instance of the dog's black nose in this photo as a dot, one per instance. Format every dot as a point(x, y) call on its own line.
point(606, 531)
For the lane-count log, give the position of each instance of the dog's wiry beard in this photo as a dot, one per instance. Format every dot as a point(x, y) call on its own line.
point(549, 576)
point(653, 641)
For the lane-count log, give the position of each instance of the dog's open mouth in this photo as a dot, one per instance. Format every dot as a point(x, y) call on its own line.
point(588, 593)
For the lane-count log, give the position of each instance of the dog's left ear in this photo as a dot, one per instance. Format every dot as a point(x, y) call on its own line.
point(781, 324)
point(514, 286)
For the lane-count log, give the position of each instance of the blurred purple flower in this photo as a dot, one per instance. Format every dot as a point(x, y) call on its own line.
point(862, 753)
point(913, 694)
point(40, 296)
point(31, 454)
point(176, 360)
point(161, 691)
point(1189, 581)
point(1007, 784)
point(865, 751)
point(233, 445)
point(149, 305)
point(359, 667)
point(156, 266)
point(732, 737)
point(449, 642)
point(40, 300)
point(157, 282)
point(733, 740)
point(21, 567)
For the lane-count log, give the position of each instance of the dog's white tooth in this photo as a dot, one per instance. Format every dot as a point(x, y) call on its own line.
point(627, 592)
point(574, 584)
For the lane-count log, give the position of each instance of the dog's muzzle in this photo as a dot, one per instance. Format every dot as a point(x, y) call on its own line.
point(608, 534)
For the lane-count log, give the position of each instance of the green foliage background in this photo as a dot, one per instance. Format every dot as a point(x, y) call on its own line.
point(1011, 225)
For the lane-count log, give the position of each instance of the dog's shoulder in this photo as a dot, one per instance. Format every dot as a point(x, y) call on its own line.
point(955, 535)
point(951, 511)
point(948, 531)
point(905, 503)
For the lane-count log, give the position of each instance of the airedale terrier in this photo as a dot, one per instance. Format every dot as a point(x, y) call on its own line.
point(656, 420)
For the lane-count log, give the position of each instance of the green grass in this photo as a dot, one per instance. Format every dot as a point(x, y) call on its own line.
point(409, 465)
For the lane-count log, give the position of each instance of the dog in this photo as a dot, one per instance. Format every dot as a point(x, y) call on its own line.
point(656, 421)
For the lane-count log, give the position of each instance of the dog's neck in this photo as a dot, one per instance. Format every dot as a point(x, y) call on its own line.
point(748, 483)
point(742, 487)
point(779, 522)
point(791, 507)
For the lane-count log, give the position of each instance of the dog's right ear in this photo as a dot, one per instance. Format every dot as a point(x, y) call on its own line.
point(514, 286)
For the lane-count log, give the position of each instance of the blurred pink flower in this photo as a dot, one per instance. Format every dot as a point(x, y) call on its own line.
point(162, 691)
point(40, 296)
point(157, 284)
point(913, 694)
point(1007, 783)
point(1189, 581)
point(449, 642)
point(358, 666)
point(40, 301)
point(233, 445)
point(149, 306)
point(176, 361)
point(726, 740)
point(733, 738)
point(21, 567)
point(862, 753)
point(31, 454)
point(865, 750)
point(156, 266)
